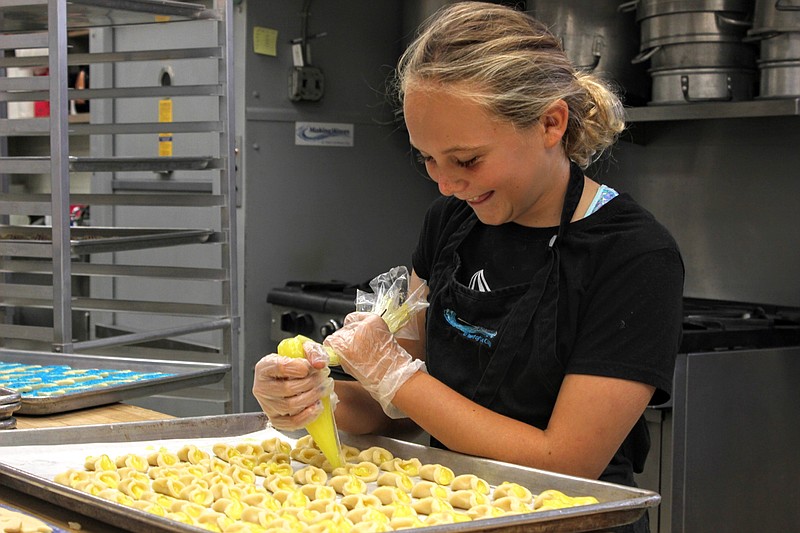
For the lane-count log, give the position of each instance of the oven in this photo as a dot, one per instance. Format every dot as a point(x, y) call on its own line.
point(723, 450)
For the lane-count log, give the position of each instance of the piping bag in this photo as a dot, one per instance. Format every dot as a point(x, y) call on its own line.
point(391, 300)
point(323, 428)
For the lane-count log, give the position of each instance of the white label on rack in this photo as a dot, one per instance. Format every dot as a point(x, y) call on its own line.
point(323, 134)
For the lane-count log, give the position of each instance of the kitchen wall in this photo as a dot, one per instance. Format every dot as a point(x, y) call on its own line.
point(323, 212)
point(728, 190)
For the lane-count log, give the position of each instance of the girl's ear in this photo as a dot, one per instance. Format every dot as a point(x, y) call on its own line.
point(554, 123)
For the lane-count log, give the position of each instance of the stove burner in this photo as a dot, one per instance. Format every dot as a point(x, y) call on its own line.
point(724, 325)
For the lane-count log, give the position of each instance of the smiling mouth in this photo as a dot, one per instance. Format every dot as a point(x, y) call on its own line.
point(478, 199)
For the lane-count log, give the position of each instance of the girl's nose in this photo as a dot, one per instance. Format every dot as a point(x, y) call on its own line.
point(448, 184)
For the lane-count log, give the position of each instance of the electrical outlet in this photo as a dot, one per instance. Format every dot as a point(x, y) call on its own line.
point(306, 83)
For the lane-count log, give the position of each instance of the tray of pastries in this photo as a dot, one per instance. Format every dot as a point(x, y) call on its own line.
point(235, 473)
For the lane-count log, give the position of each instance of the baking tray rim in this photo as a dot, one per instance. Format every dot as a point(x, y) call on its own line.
point(127, 237)
point(628, 510)
point(198, 373)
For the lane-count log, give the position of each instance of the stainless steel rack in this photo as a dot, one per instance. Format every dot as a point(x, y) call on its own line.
point(64, 252)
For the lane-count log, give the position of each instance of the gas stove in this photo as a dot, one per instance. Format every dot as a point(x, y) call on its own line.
point(317, 309)
point(710, 325)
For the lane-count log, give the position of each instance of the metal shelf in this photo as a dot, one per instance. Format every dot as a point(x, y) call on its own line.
point(31, 15)
point(49, 268)
point(715, 110)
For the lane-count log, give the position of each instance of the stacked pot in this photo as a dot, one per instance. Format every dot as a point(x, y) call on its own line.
point(697, 49)
point(776, 26)
point(600, 38)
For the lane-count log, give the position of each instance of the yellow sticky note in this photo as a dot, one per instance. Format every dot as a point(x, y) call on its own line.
point(265, 41)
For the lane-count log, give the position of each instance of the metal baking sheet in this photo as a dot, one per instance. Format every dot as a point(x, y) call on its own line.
point(185, 374)
point(121, 164)
point(98, 13)
point(618, 505)
point(93, 239)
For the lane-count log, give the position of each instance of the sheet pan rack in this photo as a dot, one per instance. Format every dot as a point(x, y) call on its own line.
point(66, 255)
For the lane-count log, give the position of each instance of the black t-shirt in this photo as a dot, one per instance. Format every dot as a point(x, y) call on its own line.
point(619, 306)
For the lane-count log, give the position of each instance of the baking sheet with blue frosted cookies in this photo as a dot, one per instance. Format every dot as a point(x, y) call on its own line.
point(45, 381)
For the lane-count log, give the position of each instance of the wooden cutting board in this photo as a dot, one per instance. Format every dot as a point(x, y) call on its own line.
point(106, 414)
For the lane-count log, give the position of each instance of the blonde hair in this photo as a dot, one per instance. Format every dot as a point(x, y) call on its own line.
point(510, 63)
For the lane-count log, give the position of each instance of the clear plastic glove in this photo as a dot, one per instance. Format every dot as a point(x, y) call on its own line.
point(368, 351)
point(290, 390)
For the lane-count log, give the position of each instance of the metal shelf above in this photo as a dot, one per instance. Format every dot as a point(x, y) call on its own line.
point(31, 15)
point(715, 110)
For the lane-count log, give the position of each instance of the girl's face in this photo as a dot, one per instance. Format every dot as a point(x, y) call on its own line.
point(505, 174)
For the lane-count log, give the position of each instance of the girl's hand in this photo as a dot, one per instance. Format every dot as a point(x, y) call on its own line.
point(290, 390)
point(368, 351)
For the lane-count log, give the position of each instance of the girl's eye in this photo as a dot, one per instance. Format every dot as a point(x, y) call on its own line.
point(423, 158)
point(468, 163)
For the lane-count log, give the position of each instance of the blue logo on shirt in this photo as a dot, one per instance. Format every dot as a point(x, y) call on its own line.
point(468, 331)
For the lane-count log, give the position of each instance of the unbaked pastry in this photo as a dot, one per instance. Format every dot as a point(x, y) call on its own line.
point(367, 514)
point(318, 492)
point(437, 473)
point(470, 482)
point(356, 501)
point(376, 454)
point(327, 505)
point(510, 504)
point(409, 466)
point(306, 441)
point(365, 470)
point(431, 505)
point(310, 474)
point(198, 494)
point(230, 507)
point(224, 451)
point(274, 467)
point(113, 495)
point(512, 490)
point(102, 462)
point(389, 495)
point(167, 485)
point(485, 511)
point(137, 462)
point(467, 498)
point(423, 489)
point(396, 479)
point(276, 482)
point(190, 453)
point(162, 458)
point(348, 484)
point(276, 445)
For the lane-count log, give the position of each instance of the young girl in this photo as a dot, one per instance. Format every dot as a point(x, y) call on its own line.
point(555, 302)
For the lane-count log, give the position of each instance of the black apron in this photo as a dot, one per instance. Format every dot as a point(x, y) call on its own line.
point(513, 310)
point(515, 316)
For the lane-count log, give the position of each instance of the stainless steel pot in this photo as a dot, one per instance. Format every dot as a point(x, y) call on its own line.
point(772, 16)
point(698, 26)
point(599, 38)
point(781, 46)
point(650, 8)
point(681, 86)
point(779, 79)
point(700, 54)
